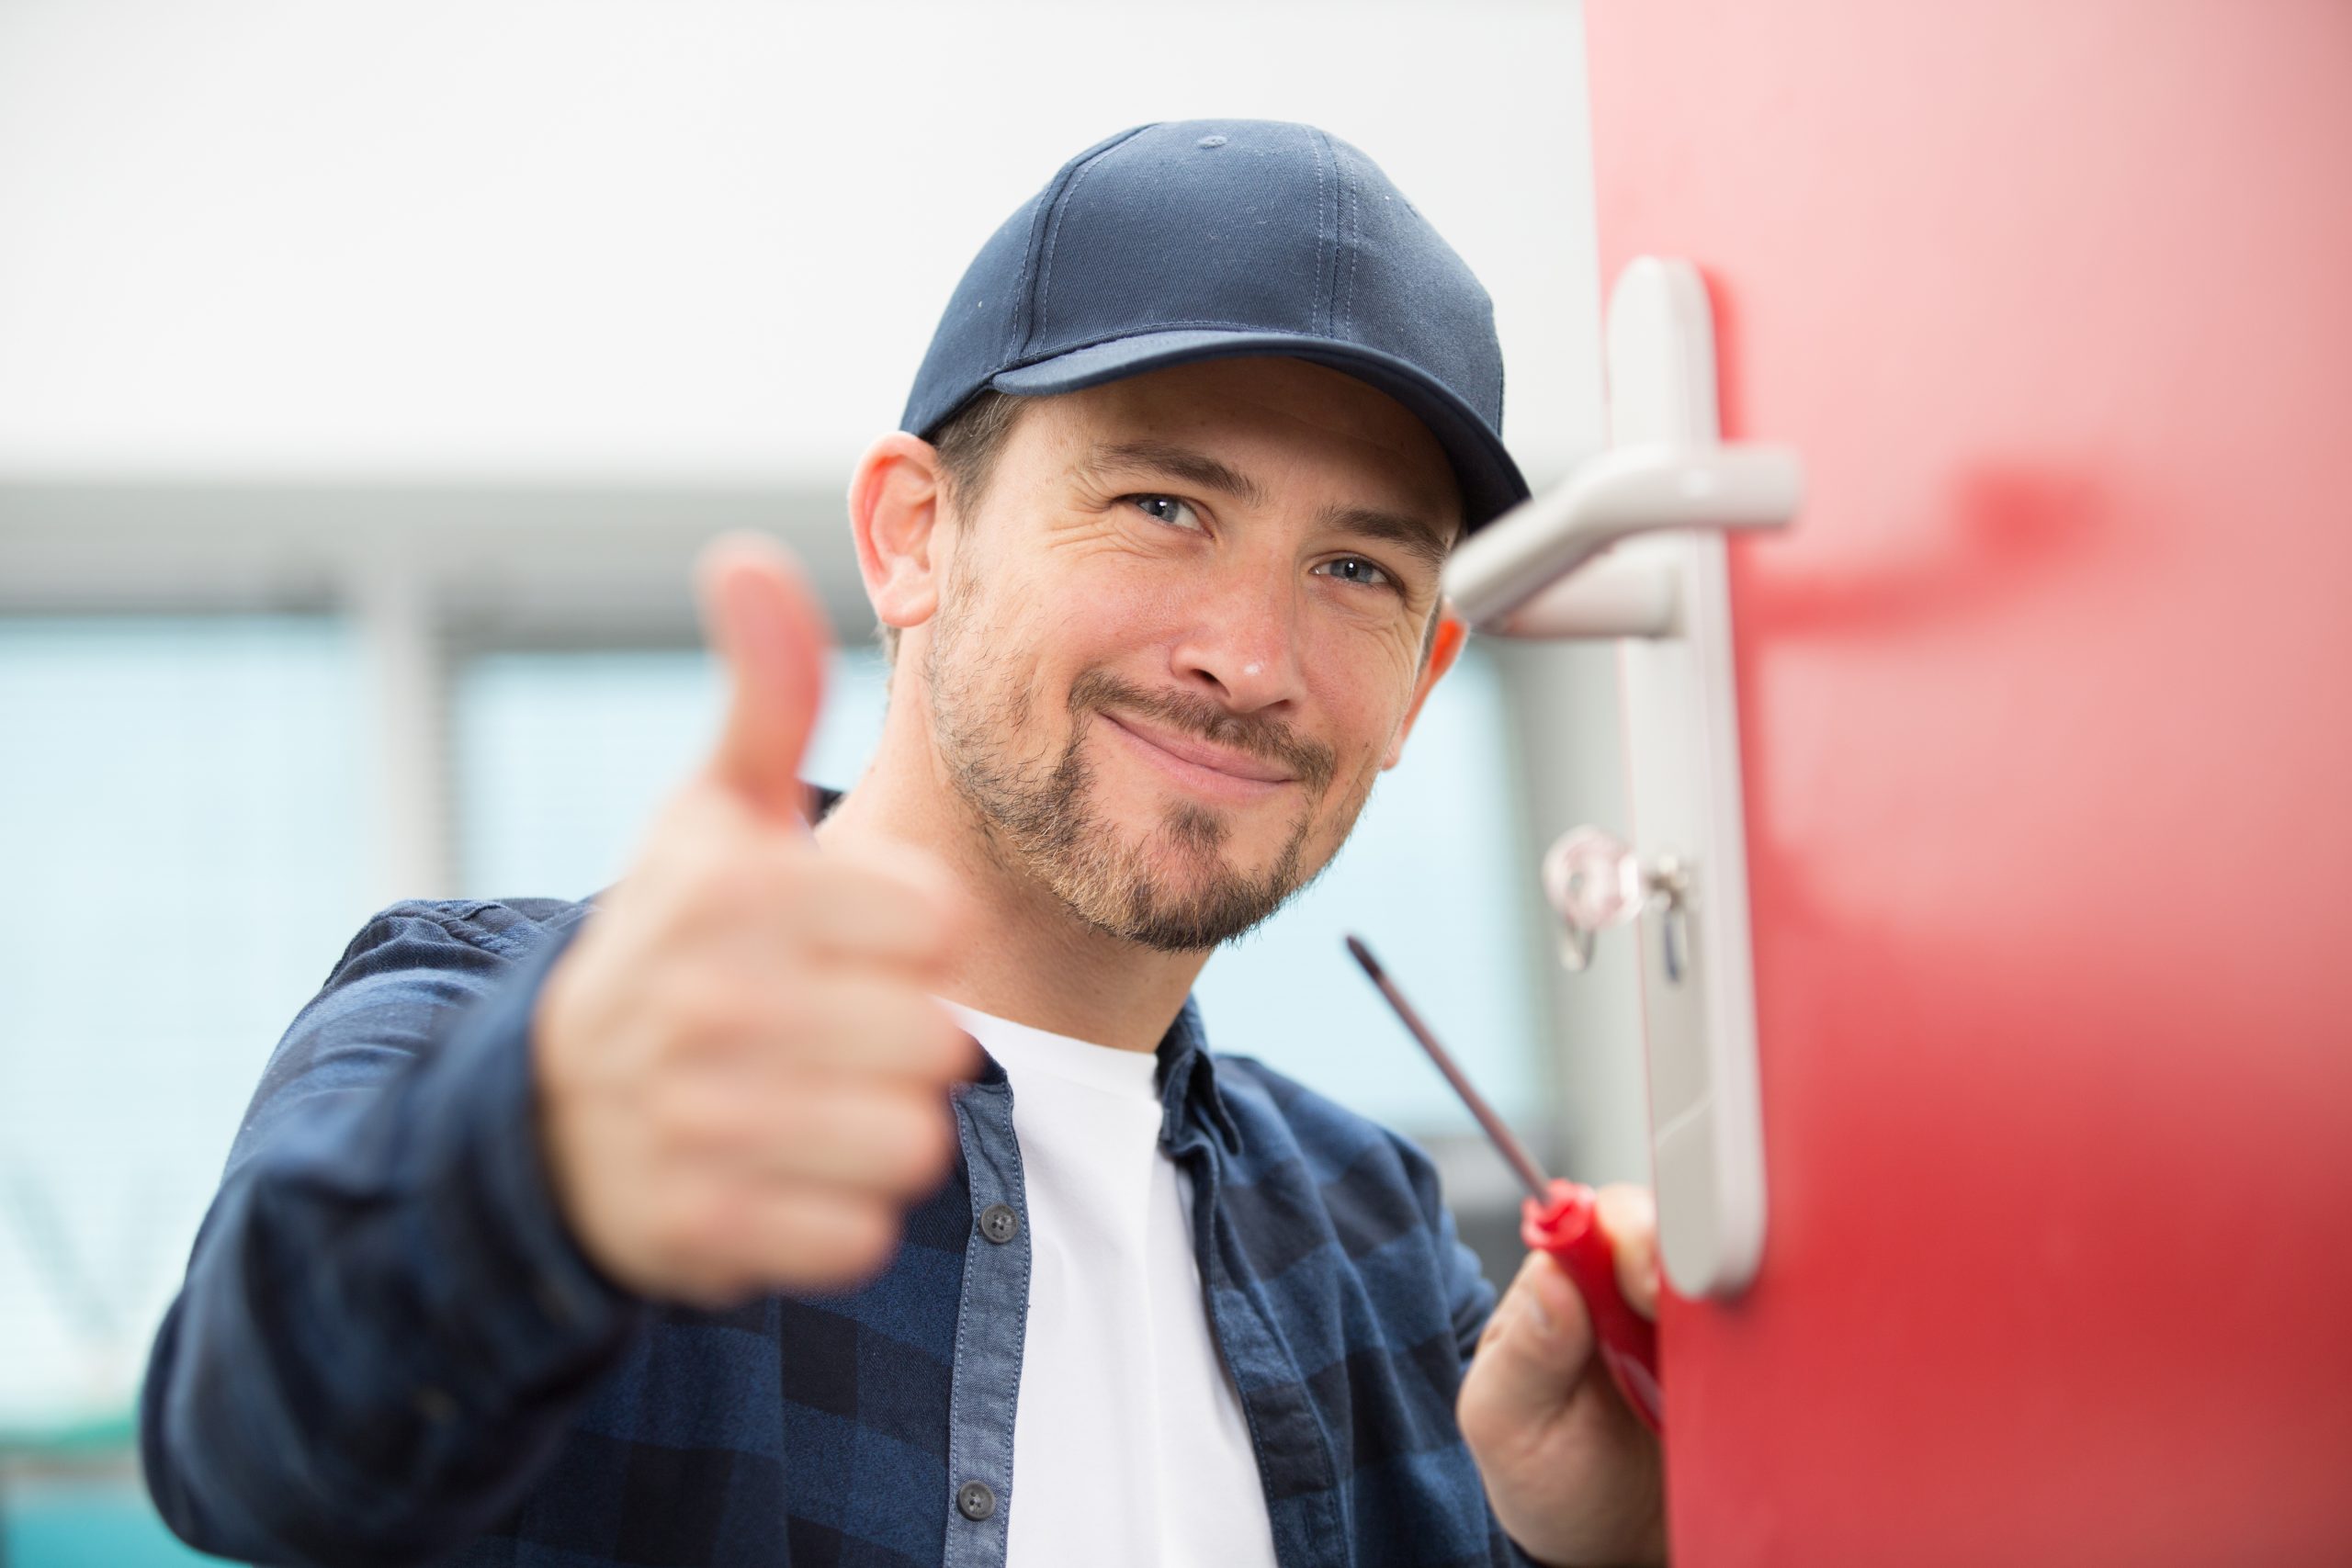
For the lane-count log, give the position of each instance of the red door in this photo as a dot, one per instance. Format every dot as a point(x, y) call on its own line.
point(2046, 707)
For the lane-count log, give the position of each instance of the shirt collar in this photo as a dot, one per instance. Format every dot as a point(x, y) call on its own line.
point(1188, 1078)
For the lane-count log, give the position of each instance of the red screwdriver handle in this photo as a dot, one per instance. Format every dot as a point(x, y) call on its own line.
point(1567, 1228)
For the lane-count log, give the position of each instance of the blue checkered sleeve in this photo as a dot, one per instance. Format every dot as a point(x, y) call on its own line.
point(386, 1327)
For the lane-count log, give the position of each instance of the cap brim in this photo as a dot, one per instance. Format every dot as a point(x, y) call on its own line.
point(1491, 483)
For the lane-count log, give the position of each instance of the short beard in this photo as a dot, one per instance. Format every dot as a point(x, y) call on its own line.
point(1037, 817)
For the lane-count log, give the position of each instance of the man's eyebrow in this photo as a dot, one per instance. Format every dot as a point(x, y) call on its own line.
point(1426, 541)
point(1167, 458)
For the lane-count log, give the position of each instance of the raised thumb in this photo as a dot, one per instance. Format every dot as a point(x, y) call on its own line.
point(764, 623)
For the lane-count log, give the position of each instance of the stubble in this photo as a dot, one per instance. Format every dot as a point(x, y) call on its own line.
point(1174, 890)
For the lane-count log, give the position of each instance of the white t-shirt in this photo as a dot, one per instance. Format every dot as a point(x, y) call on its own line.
point(1128, 1440)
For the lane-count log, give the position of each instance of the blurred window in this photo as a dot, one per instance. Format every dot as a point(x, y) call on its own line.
point(187, 833)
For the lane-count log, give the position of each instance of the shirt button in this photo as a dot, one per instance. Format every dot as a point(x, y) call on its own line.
point(997, 1222)
point(973, 1500)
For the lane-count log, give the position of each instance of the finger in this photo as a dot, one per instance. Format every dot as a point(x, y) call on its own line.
point(812, 1237)
point(803, 1236)
point(875, 1026)
point(1536, 1350)
point(883, 1138)
point(829, 1021)
point(763, 621)
point(1629, 1218)
point(788, 905)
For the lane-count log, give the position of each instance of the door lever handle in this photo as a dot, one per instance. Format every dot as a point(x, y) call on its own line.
point(1617, 494)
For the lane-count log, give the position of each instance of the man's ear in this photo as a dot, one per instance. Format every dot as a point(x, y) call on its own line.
point(1451, 635)
point(894, 502)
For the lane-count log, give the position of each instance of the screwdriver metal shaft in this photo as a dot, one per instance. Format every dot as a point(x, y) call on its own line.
point(1539, 1186)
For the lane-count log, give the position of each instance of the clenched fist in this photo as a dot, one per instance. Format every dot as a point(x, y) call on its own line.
point(742, 1081)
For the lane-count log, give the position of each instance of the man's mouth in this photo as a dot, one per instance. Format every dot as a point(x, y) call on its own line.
point(1216, 769)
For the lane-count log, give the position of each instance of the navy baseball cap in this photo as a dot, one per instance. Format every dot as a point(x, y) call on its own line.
point(1209, 239)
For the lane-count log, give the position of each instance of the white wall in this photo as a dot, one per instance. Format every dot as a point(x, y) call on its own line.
point(700, 239)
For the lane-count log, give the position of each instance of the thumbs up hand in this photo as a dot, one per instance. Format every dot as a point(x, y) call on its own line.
point(741, 1079)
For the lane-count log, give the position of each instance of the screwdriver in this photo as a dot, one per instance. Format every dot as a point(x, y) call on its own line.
point(1557, 1217)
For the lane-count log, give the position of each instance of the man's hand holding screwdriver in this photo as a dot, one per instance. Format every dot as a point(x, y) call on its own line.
point(742, 1074)
point(1574, 1475)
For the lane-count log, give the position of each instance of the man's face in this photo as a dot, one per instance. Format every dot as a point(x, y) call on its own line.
point(1181, 635)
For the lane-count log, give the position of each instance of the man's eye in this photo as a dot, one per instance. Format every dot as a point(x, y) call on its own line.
point(1166, 508)
point(1355, 568)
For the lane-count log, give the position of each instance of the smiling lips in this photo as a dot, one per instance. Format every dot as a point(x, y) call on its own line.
point(1213, 769)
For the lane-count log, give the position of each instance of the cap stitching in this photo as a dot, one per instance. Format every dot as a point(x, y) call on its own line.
point(1315, 149)
point(1013, 333)
point(1354, 189)
point(1054, 239)
point(1050, 209)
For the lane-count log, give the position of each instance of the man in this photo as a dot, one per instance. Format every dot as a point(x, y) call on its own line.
point(691, 1228)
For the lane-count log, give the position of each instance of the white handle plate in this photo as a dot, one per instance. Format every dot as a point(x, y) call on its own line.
point(1632, 546)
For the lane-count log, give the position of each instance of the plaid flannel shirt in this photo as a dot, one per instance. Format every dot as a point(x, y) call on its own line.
point(389, 1349)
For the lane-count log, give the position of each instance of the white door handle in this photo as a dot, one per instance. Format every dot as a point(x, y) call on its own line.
point(1666, 468)
point(1622, 492)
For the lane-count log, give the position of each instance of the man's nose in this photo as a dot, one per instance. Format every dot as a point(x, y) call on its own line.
point(1242, 639)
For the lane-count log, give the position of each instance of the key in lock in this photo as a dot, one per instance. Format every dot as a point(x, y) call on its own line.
point(1593, 880)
